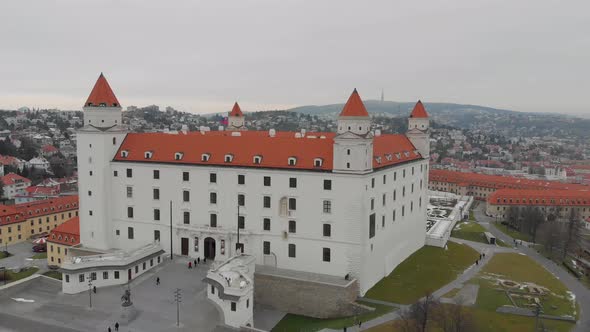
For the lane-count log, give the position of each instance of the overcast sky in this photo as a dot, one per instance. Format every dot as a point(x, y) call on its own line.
point(201, 56)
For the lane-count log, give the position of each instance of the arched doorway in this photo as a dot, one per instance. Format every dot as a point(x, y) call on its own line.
point(210, 248)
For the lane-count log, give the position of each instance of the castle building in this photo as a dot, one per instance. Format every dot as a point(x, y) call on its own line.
point(351, 203)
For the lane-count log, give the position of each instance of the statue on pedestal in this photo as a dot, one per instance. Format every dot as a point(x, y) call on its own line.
point(126, 298)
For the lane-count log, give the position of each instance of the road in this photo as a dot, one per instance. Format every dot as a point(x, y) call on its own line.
point(581, 292)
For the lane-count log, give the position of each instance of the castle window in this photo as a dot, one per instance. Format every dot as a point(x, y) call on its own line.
point(205, 157)
point(348, 152)
point(229, 158)
point(347, 165)
point(124, 153)
point(326, 254)
point(257, 160)
point(178, 156)
point(317, 162)
point(148, 154)
point(292, 161)
point(114, 141)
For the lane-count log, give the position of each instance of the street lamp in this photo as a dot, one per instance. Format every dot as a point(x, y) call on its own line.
point(90, 289)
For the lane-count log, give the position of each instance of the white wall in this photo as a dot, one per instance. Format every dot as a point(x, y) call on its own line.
point(73, 285)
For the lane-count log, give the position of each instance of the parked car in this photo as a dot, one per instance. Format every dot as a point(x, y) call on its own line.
point(40, 248)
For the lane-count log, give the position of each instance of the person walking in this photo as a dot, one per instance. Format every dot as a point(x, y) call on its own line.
point(476, 262)
point(116, 326)
point(195, 262)
point(94, 289)
point(109, 329)
point(190, 265)
point(198, 260)
point(157, 281)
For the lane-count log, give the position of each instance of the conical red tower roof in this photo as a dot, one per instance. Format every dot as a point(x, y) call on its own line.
point(419, 111)
point(236, 111)
point(354, 106)
point(102, 95)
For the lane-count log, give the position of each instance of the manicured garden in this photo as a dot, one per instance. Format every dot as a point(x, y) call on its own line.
point(469, 230)
point(427, 270)
point(302, 323)
point(522, 270)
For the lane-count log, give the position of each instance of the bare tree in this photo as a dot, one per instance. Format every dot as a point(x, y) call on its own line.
point(513, 215)
point(572, 237)
point(454, 318)
point(550, 235)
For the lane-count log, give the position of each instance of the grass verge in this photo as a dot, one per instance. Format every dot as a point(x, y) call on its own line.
point(513, 233)
point(53, 274)
point(428, 269)
point(42, 255)
point(471, 231)
point(294, 323)
point(14, 276)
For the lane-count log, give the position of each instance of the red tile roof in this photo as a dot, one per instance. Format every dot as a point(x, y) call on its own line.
point(540, 197)
point(67, 233)
point(39, 208)
point(49, 148)
point(236, 111)
point(101, 94)
point(498, 181)
point(354, 106)
point(419, 111)
point(13, 178)
point(8, 160)
point(275, 151)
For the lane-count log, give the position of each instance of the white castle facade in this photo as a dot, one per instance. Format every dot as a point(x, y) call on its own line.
point(347, 203)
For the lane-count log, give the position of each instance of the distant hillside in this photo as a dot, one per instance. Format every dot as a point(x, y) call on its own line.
point(510, 123)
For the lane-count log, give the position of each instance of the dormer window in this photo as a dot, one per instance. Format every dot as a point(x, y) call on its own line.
point(257, 160)
point(124, 153)
point(229, 158)
point(318, 162)
point(178, 156)
point(205, 157)
point(378, 159)
point(292, 161)
point(398, 155)
point(407, 154)
point(148, 154)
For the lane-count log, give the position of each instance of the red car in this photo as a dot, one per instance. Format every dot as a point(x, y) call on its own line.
point(40, 248)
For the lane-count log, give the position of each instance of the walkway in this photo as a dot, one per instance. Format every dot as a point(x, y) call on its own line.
point(581, 292)
point(469, 273)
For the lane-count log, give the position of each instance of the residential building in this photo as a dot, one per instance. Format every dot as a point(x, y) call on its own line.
point(61, 239)
point(21, 221)
point(14, 185)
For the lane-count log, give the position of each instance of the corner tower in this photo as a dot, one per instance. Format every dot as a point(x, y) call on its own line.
point(419, 129)
point(97, 142)
point(353, 144)
point(235, 120)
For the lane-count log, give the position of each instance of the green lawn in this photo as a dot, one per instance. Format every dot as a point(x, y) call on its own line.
point(53, 274)
point(491, 321)
point(520, 268)
point(469, 230)
point(42, 255)
point(472, 216)
point(12, 276)
point(428, 269)
point(4, 254)
point(302, 323)
point(513, 233)
point(502, 243)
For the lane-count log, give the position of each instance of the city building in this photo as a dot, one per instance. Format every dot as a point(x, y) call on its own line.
point(21, 221)
point(62, 238)
point(350, 203)
point(480, 186)
point(14, 185)
point(558, 203)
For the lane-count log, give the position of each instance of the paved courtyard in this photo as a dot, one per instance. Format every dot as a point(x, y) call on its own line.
point(54, 311)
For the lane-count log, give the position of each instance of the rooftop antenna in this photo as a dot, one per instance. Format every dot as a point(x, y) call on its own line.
point(382, 95)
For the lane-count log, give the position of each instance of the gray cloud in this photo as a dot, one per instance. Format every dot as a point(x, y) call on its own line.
point(200, 56)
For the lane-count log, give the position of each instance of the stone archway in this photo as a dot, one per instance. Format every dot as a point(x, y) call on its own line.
point(209, 247)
